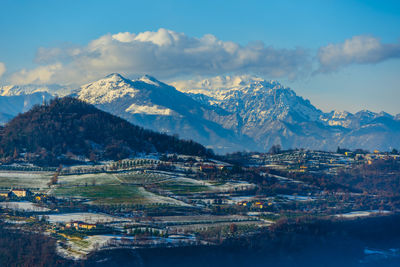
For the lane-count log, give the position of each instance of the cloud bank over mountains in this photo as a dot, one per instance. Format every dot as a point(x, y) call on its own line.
point(169, 54)
point(357, 50)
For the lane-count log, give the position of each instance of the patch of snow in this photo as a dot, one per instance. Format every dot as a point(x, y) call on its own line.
point(298, 198)
point(355, 214)
point(149, 110)
point(149, 80)
point(23, 206)
point(86, 217)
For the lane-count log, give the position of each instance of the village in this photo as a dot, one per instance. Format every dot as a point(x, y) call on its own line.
point(317, 161)
point(177, 200)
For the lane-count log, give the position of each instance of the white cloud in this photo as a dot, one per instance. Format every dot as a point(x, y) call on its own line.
point(357, 50)
point(39, 75)
point(2, 68)
point(164, 54)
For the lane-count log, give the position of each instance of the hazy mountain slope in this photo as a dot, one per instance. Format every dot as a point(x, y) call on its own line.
point(15, 104)
point(4, 117)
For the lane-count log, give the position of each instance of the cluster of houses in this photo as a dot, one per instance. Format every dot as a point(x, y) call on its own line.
point(211, 167)
point(369, 158)
point(78, 225)
point(309, 160)
point(15, 192)
point(256, 204)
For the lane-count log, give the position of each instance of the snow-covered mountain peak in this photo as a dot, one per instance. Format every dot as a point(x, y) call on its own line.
point(254, 99)
point(366, 112)
point(114, 77)
point(384, 114)
point(145, 96)
point(339, 118)
point(337, 114)
point(220, 88)
point(106, 90)
point(223, 83)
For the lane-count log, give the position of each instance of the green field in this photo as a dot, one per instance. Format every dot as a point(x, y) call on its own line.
point(115, 194)
point(109, 188)
point(104, 194)
point(88, 179)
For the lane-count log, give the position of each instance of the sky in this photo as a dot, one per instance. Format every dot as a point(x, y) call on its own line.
point(341, 55)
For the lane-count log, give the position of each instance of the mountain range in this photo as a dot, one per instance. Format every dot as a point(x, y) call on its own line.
point(224, 113)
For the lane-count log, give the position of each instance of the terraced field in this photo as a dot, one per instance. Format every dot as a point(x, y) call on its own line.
point(115, 194)
point(88, 179)
point(19, 179)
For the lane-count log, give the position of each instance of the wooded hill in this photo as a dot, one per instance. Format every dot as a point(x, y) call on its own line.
point(66, 128)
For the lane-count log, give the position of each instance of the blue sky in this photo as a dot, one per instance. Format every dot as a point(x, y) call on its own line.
point(339, 54)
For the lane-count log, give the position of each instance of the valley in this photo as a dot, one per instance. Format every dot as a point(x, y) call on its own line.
point(175, 200)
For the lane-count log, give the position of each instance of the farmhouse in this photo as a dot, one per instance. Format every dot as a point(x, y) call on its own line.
point(207, 168)
point(80, 225)
point(259, 204)
point(87, 226)
point(20, 192)
point(5, 193)
point(244, 203)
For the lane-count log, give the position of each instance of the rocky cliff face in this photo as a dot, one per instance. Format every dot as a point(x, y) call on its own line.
point(272, 114)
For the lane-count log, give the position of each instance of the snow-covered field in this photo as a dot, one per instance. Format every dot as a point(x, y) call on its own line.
point(23, 206)
point(24, 179)
point(235, 200)
point(355, 214)
point(201, 218)
point(152, 198)
point(297, 198)
point(226, 187)
point(98, 179)
point(85, 217)
point(229, 186)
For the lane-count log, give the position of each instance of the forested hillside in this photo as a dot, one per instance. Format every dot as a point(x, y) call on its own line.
point(66, 128)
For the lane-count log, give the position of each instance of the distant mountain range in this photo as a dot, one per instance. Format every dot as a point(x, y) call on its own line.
point(224, 113)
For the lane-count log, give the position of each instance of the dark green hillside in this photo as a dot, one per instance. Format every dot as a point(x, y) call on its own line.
point(67, 127)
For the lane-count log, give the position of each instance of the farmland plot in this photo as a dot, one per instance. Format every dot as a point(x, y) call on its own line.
point(87, 179)
point(115, 194)
point(24, 179)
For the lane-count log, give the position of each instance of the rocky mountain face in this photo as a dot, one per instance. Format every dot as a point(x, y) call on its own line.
point(272, 114)
point(234, 113)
